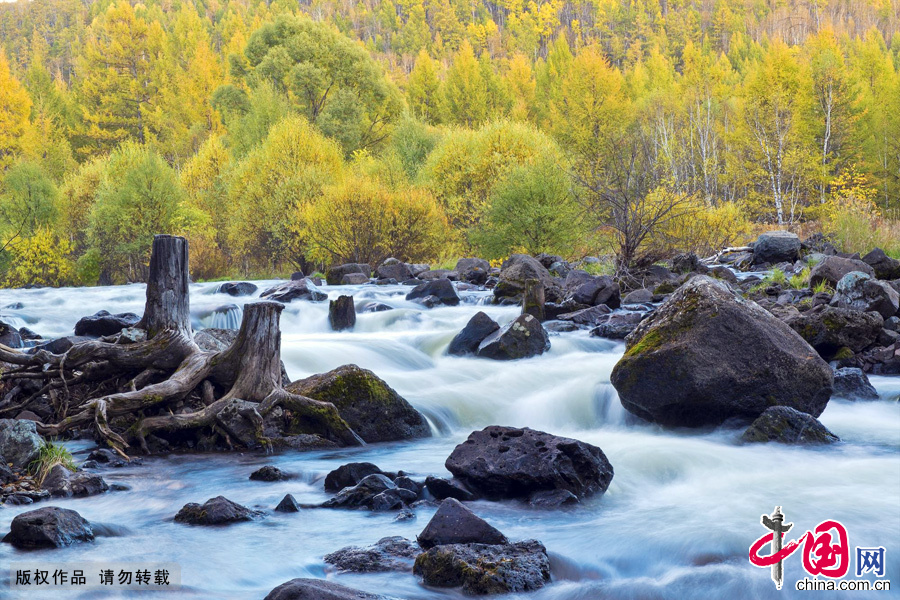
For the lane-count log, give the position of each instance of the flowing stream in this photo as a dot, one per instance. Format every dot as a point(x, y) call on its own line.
point(677, 521)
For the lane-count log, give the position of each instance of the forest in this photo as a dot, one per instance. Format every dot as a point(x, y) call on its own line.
point(282, 136)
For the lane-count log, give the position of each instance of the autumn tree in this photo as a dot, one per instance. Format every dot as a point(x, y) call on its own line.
point(15, 109)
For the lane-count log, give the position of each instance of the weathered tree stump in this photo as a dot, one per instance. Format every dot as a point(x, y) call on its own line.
point(533, 299)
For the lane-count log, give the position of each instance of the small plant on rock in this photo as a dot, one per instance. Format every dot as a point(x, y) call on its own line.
point(51, 454)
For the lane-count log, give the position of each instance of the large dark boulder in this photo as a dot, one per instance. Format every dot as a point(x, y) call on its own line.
point(215, 511)
point(102, 324)
point(851, 383)
point(617, 326)
point(342, 313)
point(598, 290)
point(269, 473)
point(829, 329)
point(441, 289)
point(370, 406)
point(707, 355)
point(785, 425)
point(48, 527)
point(833, 268)
point(20, 443)
point(394, 269)
point(589, 317)
point(453, 523)
point(301, 289)
point(509, 462)
point(393, 553)
point(481, 569)
point(62, 483)
point(239, 288)
point(473, 270)
point(10, 336)
point(524, 337)
point(335, 275)
point(858, 291)
point(884, 266)
point(349, 475)
point(775, 247)
point(317, 589)
point(517, 270)
point(467, 341)
point(442, 488)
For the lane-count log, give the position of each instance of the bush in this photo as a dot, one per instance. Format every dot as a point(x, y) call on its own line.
point(42, 259)
point(362, 221)
point(702, 229)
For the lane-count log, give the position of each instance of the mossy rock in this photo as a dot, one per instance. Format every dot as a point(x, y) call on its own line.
point(788, 426)
point(370, 406)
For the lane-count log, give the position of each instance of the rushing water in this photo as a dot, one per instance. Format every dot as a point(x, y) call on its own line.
point(676, 522)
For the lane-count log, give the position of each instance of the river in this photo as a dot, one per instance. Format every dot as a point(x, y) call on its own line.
point(676, 522)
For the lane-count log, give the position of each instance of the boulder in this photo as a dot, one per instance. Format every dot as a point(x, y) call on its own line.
point(833, 268)
point(335, 275)
point(522, 338)
point(349, 475)
point(575, 279)
point(370, 307)
point(393, 553)
point(851, 383)
point(467, 341)
point(48, 527)
point(102, 324)
point(268, 473)
point(215, 511)
point(828, 329)
point(617, 326)
point(302, 289)
point(342, 313)
point(239, 419)
point(598, 290)
point(393, 269)
point(518, 269)
point(240, 288)
point(62, 483)
point(858, 291)
point(10, 336)
point(6, 474)
point(453, 523)
point(288, 504)
point(641, 296)
point(786, 425)
point(61, 345)
point(354, 279)
point(370, 406)
point(552, 499)
point(215, 339)
point(508, 462)
point(298, 275)
point(440, 288)
point(687, 262)
point(442, 488)
point(317, 589)
point(775, 247)
point(884, 266)
point(473, 270)
point(20, 443)
point(432, 275)
point(364, 494)
point(588, 317)
point(481, 569)
point(707, 355)
point(723, 273)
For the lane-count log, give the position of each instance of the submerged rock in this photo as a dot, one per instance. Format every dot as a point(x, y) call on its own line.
point(524, 337)
point(707, 355)
point(482, 569)
point(370, 406)
point(852, 384)
point(49, 527)
point(786, 425)
point(317, 589)
point(215, 511)
point(453, 523)
point(303, 289)
point(508, 462)
point(20, 443)
point(467, 341)
point(393, 553)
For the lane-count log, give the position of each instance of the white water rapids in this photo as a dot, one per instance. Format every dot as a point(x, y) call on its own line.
point(677, 521)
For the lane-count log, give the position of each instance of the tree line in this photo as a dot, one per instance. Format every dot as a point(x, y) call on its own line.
point(278, 136)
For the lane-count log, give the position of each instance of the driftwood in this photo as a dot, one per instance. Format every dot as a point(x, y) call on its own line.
point(715, 257)
point(107, 379)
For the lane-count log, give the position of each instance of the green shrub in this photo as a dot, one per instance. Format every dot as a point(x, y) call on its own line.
point(51, 454)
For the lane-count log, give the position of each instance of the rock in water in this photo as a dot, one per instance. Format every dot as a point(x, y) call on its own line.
point(453, 523)
point(788, 426)
point(442, 488)
point(9, 336)
point(370, 406)
point(467, 341)
point(486, 569)
point(317, 589)
point(303, 289)
point(288, 504)
point(393, 553)
point(858, 291)
point(335, 275)
point(240, 288)
point(49, 527)
point(442, 289)
point(61, 482)
point(20, 443)
point(215, 511)
point(852, 384)
point(342, 313)
point(523, 338)
point(829, 329)
point(518, 269)
point(268, 473)
point(598, 290)
point(349, 475)
point(707, 355)
point(507, 462)
point(102, 323)
point(775, 247)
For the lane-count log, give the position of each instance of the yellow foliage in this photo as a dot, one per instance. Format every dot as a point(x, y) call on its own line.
point(42, 259)
point(702, 229)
